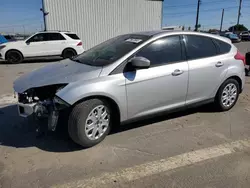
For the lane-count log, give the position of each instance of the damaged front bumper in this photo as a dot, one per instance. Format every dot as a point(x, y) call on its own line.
point(48, 110)
point(25, 110)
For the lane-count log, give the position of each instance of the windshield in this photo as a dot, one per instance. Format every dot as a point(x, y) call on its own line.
point(111, 50)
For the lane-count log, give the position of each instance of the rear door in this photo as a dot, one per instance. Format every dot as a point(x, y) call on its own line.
point(207, 67)
point(56, 44)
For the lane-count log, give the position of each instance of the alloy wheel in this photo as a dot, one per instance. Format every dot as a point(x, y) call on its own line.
point(229, 95)
point(97, 122)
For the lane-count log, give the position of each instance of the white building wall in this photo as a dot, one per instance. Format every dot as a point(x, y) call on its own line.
point(98, 20)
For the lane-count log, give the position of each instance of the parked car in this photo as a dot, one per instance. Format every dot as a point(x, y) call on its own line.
point(215, 33)
point(247, 63)
point(10, 38)
point(132, 76)
point(245, 36)
point(3, 39)
point(42, 44)
point(232, 36)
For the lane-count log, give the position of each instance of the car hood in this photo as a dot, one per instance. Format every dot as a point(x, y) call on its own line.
point(14, 43)
point(62, 72)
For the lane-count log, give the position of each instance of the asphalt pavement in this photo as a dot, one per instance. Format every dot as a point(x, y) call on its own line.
point(196, 148)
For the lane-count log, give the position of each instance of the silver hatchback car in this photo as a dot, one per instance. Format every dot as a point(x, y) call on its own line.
point(132, 76)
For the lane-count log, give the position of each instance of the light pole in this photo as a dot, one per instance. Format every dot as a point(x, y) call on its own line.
point(197, 15)
point(239, 13)
point(44, 15)
point(222, 17)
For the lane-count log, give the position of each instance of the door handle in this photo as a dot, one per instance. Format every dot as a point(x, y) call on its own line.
point(219, 64)
point(177, 72)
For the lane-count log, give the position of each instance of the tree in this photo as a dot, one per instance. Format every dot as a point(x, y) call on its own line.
point(236, 27)
point(213, 30)
point(183, 28)
point(189, 28)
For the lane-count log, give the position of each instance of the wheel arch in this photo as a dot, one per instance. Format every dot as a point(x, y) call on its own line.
point(13, 50)
point(68, 48)
point(235, 77)
point(238, 79)
point(115, 107)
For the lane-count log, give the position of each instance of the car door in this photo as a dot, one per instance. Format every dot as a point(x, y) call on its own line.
point(206, 68)
point(56, 44)
point(35, 46)
point(161, 87)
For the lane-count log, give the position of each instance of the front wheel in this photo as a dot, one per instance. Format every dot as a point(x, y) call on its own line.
point(14, 57)
point(90, 122)
point(228, 95)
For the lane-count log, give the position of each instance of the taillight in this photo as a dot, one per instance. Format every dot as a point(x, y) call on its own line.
point(79, 44)
point(241, 57)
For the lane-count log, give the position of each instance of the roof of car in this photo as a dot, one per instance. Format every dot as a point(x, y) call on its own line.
point(56, 31)
point(159, 33)
point(162, 32)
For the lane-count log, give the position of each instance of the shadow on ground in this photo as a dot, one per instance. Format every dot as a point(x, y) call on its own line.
point(20, 132)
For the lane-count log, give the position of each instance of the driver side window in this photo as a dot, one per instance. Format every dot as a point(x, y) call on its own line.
point(38, 38)
point(165, 50)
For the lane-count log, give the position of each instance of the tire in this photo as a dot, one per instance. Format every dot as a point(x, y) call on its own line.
point(247, 72)
point(82, 115)
point(14, 56)
point(224, 101)
point(68, 53)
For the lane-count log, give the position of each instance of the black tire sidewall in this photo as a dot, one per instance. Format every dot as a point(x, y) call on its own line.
point(68, 51)
point(11, 53)
point(77, 122)
point(219, 95)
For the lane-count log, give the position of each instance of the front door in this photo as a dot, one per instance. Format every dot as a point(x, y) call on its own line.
point(36, 46)
point(163, 86)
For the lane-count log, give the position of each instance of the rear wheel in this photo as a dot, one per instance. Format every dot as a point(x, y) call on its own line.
point(90, 122)
point(68, 53)
point(14, 57)
point(228, 95)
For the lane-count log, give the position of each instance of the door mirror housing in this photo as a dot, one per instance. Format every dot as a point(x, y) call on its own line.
point(140, 62)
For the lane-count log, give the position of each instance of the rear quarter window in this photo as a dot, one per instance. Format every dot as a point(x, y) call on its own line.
point(73, 36)
point(222, 47)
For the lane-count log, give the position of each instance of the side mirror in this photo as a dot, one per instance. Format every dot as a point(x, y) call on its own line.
point(27, 42)
point(140, 62)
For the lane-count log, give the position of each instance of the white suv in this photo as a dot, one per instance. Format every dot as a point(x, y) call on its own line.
point(42, 44)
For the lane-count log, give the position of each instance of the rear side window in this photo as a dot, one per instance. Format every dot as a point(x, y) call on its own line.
point(199, 47)
point(222, 47)
point(73, 36)
point(55, 36)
